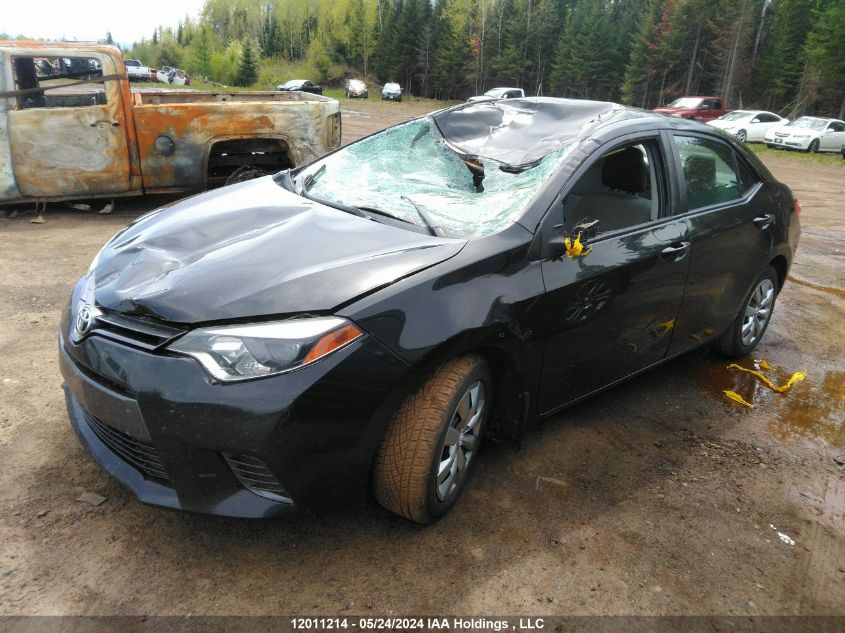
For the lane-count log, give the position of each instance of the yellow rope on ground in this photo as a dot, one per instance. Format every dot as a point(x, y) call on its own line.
point(798, 376)
point(733, 395)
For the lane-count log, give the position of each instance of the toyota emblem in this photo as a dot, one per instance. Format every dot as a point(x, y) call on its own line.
point(84, 321)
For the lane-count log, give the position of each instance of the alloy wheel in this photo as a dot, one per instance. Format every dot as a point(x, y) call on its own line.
point(741, 136)
point(462, 440)
point(757, 312)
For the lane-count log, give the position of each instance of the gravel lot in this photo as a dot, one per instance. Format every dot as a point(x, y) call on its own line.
point(660, 497)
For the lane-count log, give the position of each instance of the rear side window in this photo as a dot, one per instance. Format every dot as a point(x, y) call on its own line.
point(709, 172)
point(747, 178)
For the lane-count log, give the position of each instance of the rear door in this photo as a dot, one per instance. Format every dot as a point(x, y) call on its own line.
point(732, 222)
point(611, 313)
point(67, 130)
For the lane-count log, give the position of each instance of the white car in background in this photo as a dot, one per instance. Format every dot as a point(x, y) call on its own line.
point(499, 93)
point(748, 126)
point(810, 134)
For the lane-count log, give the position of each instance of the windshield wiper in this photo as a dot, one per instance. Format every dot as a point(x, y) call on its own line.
point(310, 179)
point(336, 205)
point(436, 231)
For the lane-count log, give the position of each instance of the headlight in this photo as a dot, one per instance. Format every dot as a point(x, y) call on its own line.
point(240, 352)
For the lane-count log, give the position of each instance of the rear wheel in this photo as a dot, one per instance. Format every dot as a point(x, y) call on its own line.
point(244, 173)
point(424, 459)
point(753, 319)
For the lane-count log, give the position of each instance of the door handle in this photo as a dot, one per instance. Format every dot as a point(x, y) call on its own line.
point(676, 252)
point(764, 221)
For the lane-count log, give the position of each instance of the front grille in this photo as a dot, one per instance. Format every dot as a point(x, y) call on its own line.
point(138, 331)
point(256, 477)
point(140, 455)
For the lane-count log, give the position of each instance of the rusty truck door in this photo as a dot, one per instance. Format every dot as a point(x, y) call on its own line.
point(67, 140)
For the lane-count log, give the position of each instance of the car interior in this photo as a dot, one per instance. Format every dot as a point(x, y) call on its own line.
point(709, 172)
point(618, 191)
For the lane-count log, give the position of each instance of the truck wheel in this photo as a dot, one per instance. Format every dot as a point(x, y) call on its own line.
point(244, 173)
point(425, 456)
point(753, 319)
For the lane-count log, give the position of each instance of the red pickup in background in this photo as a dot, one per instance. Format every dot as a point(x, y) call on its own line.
point(698, 108)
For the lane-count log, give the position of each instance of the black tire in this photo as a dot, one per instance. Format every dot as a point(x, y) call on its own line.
point(731, 343)
point(411, 452)
point(742, 136)
point(813, 147)
point(244, 173)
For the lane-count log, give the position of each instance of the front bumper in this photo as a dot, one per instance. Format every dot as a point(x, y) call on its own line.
point(788, 142)
point(161, 426)
point(391, 97)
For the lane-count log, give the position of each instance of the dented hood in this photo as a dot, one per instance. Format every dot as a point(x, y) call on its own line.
point(254, 249)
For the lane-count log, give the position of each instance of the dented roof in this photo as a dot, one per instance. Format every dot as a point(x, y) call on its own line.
point(519, 132)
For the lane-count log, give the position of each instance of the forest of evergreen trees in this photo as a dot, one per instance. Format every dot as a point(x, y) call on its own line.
point(784, 55)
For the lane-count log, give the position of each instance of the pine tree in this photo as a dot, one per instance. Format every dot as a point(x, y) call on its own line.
point(824, 52)
point(202, 52)
point(248, 68)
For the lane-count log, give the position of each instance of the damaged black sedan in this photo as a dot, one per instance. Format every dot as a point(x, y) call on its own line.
point(358, 325)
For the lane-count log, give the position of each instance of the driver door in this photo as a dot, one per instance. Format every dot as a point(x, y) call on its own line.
point(833, 137)
point(612, 312)
point(67, 140)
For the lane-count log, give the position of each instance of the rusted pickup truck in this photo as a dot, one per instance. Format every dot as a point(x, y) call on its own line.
point(71, 128)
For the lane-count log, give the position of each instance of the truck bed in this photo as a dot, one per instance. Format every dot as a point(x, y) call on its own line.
point(164, 96)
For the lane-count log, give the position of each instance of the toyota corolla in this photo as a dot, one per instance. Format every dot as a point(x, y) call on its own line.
point(358, 325)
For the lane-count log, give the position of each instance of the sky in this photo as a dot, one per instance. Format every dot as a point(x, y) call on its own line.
point(91, 19)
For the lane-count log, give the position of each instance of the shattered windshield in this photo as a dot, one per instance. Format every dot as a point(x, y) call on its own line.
point(410, 166)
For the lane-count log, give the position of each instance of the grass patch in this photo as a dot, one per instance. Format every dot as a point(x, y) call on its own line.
point(826, 158)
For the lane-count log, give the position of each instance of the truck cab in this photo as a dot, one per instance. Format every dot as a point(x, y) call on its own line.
point(72, 128)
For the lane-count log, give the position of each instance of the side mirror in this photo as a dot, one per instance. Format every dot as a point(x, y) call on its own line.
point(587, 228)
point(755, 120)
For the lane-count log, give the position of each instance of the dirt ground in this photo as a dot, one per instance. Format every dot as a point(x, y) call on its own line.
point(659, 497)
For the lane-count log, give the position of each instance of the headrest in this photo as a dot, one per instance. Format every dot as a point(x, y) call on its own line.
point(700, 168)
point(625, 171)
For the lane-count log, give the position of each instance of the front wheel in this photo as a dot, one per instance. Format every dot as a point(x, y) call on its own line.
point(425, 457)
point(742, 136)
point(813, 147)
point(753, 319)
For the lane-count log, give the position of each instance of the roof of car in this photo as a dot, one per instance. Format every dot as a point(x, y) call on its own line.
point(519, 132)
